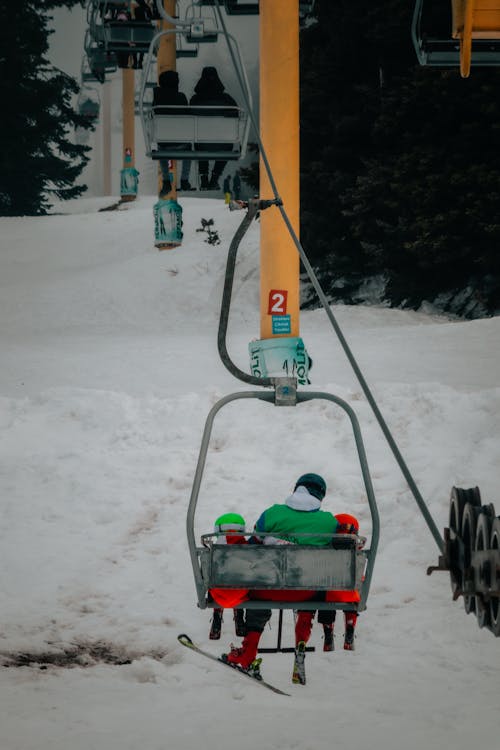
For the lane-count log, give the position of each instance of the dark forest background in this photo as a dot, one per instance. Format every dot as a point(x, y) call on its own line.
point(38, 157)
point(400, 165)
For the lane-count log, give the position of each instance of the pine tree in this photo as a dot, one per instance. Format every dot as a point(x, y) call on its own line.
point(400, 171)
point(37, 157)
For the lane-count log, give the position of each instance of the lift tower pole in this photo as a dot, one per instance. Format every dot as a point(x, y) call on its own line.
point(280, 350)
point(167, 60)
point(106, 138)
point(279, 127)
point(167, 212)
point(128, 177)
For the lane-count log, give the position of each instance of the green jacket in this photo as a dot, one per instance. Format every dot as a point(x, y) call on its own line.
point(286, 522)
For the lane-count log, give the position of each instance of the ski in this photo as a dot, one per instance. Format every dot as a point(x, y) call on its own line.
point(299, 667)
point(186, 641)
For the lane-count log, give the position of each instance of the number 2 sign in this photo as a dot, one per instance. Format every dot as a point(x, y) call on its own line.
point(277, 302)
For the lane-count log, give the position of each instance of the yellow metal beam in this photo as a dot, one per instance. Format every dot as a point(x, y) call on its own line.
point(167, 60)
point(128, 95)
point(474, 19)
point(279, 128)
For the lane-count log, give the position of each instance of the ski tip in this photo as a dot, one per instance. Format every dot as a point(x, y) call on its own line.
point(185, 639)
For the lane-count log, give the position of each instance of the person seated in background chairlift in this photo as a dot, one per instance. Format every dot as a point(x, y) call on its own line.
point(230, 528)
point(165, 94)
point(347, 524)
point(283, 524)
point(210, 91)
point(237, 186)
point(143, 13)
point(120, 13)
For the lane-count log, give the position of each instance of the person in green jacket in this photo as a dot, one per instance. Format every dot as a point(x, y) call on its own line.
point(284, 524)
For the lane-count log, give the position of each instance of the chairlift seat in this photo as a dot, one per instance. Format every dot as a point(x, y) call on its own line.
point(99, 58)
point(285, 567)
point(181, 132)
point(235, 8)
point(122, 36)
point(89, 108)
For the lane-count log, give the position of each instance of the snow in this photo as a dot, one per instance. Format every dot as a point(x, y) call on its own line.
point(109, 369)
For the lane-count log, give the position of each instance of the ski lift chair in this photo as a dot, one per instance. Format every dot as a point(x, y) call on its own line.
point(339, 566)
point(180, 132)
point(235, 8)
point(128, 36)
point(441, 38)
point(88, 105)
point(185, 132)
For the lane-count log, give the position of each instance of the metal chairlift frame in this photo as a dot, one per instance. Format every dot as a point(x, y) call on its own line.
point(339, 566)
point(118, 36)
point(91, 95)
point(234, 8)
point(445, 52)
point(97, 58)
point(176, 133)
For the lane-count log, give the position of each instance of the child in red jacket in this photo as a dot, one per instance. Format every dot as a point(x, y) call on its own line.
point(230, 528)
point(347, 525)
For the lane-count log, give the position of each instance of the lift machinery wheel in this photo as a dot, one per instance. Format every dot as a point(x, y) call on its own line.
point(458, 500)
point(469, 526)
point(483, 572)
point(494, 624)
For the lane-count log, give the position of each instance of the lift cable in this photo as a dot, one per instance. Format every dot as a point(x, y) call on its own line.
point(324, 301)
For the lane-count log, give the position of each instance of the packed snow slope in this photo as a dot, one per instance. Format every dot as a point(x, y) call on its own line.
point(109, 368)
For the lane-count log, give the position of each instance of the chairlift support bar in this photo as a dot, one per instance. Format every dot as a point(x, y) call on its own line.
point(310, 562)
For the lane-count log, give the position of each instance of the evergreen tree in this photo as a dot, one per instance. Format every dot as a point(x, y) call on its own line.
point(400, 172)
point(37, 158)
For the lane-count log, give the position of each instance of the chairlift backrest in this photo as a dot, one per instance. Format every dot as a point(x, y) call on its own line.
point(183, 132)
point(196, 132)
point(135, 36)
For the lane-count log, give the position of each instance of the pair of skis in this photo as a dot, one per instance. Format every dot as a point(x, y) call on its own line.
point(186, 641)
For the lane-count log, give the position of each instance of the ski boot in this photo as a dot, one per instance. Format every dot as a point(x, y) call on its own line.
point(246, 653)
point(216, 626)
point(239, 623)
point(328, 644)
point(349, 638)
point(299, 667)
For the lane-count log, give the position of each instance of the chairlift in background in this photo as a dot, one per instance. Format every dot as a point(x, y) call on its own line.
point(118, 35)
point(200, 28)
point(147, 103)
point(185, 49)
point(100, 62)
point(245, 8)
point(95, 13)
point(88, 103)
point(456, 33)
point(237, 8)
point(128, 36)
point(185, 132)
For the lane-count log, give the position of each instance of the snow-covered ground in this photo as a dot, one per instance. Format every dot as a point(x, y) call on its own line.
point(109, 368)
